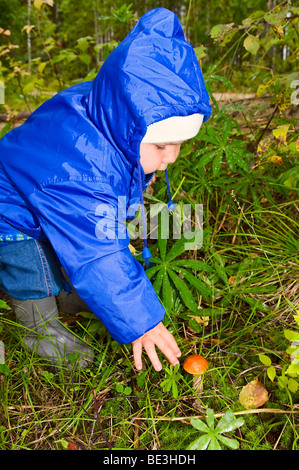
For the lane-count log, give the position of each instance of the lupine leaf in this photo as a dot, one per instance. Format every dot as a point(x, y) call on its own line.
point(195, 264)
point(201, 443)
point(184, 291)
point(199, 425)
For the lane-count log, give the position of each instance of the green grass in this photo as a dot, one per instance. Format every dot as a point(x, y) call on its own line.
point(42, 409)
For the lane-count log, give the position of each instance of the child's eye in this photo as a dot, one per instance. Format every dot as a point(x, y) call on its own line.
point(160, 147)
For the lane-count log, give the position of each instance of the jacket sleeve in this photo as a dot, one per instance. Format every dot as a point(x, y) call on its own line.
point(81, 222)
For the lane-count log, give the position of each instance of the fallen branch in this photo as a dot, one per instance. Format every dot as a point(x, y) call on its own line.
point(14, 117)
point(217, 415)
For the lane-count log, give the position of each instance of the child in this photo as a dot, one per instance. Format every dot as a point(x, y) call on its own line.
point(81, 151)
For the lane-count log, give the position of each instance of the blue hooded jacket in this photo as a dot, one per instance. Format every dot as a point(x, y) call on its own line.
point(64, 172)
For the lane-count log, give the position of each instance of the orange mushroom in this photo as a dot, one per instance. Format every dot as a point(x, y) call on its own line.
point(196, 365)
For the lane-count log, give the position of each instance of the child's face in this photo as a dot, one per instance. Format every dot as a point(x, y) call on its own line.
point(155, 157)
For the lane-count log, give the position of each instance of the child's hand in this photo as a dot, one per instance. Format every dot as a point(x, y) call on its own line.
point(160, 337)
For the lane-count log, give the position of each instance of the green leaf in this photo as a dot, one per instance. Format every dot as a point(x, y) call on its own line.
point(226, 129)
point(158, 281)
point(176, 250)
point(4, 305)
point(83, 43)
point(210, 418)
point(200, 51)
point(201, 443)
point(4, 370)
point(252, 44)
point(174, 389)
point(162, 243)
point(283, 381)
point(153, 270)
point(265, 360)
point(207, 158)
point(85, 58)
point(228, 442)
point(224, 80)
point(119, 388)
point(216, 164)
point(214, 444)
point(228, 423)
point(220, 30)
point(291, 335)
point(199, 425)
point(197, 265)
point(293, 369)
point(184, 291)
point(166, 291)
point(202, 288)
point(271, 372)
point(293, 385)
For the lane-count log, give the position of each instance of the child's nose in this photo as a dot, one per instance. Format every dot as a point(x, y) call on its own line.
point(171, 155)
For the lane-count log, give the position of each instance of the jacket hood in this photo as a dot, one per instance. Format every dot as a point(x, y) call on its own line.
point(152, 75)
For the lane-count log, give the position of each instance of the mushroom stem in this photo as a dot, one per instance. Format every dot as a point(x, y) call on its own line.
point(198, 384)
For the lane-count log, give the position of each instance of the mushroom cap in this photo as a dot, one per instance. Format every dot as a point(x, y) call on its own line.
point(195, 364)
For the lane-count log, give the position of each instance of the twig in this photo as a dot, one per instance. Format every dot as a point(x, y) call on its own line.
point(235, 354)
point(238, 223)
point(217, 415)
point(265, 129)
point(222, 221)
point(14, 117)
point(96, 413)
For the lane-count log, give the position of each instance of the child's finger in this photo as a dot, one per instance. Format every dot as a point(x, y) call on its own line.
point(150, 349)
point(172, 343)
point(167, 349)
point(137, 351)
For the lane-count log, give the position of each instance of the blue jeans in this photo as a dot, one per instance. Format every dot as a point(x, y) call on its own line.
point(29, 269)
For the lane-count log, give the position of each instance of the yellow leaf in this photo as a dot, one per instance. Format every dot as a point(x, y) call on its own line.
point(276, 159)
point(38, 4)
point(281, 133)
point(231, 280)
point(253, 395)
point(132, 249)
point(263, 145)
point(279, 31)
point(200, 320)
point(263, 87)
point(28, 28)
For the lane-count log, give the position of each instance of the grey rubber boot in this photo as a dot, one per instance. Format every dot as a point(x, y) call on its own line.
point(43, 332)
point(71, 303)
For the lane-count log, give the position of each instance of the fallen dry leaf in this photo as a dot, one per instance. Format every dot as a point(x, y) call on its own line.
point(253, 395)
point(72, 445)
